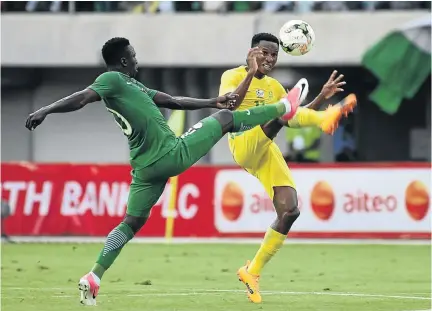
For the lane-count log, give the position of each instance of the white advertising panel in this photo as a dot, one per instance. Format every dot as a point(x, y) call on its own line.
point(343, 200)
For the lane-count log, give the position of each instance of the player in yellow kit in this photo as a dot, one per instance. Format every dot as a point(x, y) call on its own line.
point(256, 152)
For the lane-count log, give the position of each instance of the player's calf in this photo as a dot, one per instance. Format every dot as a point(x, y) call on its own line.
point(116, 240)
point(285, 201)
point(226, 119)
point(272, 128)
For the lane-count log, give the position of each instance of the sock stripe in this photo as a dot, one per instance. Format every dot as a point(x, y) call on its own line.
point(115, 240)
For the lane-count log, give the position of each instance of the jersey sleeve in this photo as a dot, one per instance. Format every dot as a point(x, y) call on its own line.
point(151, 93)
point(106, 85)
point(229, 82)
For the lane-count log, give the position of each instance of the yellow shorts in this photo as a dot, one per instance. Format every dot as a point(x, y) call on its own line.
point(262, 158)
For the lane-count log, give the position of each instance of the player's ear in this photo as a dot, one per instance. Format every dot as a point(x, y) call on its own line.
point(123, 62)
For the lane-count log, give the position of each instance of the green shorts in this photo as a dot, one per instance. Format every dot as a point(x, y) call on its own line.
point(149, 183)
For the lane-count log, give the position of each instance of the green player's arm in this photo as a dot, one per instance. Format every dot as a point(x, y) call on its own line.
point(67, 104)
point(183, 103)
point(72, 102)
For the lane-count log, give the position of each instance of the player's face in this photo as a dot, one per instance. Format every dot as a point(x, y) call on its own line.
point(270, 51)
point(132, 63)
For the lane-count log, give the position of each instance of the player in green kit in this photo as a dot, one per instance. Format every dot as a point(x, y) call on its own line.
point(155, 152)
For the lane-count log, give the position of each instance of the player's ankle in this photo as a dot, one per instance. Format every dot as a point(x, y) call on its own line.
point(96, 278)
point(97, 271)
point(287, 105)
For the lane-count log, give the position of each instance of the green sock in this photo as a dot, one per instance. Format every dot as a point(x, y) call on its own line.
point(247, 119)
point(114, 243)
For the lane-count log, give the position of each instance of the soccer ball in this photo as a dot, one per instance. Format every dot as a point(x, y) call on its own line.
point(296, 37)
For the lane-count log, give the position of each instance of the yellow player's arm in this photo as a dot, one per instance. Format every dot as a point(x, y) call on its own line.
point(230, 79)
point(316, 103)
point(331, 87)
point(243, 87)
point(230, 85)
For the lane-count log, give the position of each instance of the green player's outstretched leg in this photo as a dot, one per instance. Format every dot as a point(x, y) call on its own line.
point(148, 184)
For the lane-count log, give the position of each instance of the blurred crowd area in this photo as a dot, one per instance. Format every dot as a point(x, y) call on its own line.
point(208, 6)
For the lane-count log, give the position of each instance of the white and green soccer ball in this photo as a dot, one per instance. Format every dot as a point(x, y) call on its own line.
point(296, 37)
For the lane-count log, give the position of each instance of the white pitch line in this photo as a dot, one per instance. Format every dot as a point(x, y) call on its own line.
point(173, 294)
point(417, 293)
point(145, 295)
point(333, 294)
point(216, 291)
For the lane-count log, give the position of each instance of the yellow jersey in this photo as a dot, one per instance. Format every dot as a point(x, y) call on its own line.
point(261, 91)
point(252, 149)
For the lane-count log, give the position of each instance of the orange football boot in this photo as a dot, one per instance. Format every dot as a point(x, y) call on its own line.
point(252, 283)
point(334, 113)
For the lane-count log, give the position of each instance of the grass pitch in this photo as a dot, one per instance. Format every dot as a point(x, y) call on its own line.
point(203, 277)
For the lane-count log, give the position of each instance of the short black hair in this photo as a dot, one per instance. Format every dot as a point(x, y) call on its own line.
point(113, 50)
point(263, 36)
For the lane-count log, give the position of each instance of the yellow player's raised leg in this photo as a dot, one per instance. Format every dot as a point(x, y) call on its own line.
point(327, 120)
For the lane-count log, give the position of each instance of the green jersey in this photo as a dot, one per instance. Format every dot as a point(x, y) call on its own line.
point(135, 112)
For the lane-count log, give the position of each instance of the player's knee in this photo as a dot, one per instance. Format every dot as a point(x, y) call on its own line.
point(289, 214)
point(135, 223)
point(286, 203)
point(225, 118)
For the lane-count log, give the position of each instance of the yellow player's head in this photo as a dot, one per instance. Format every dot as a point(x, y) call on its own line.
point(269, 45)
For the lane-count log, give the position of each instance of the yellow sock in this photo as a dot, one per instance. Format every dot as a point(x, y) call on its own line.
point(306, 117)
point(272, 242)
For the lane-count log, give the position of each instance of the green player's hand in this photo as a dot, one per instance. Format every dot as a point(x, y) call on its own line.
point(35, 119)
point(228, 101)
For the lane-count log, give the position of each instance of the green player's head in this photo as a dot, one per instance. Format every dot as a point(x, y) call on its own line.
point(269, 45)
point(119, 55)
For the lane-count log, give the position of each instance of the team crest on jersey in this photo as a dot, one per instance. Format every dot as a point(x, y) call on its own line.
point(270, 95)
point(260, 93)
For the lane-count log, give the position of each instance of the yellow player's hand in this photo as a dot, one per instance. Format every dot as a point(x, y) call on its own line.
point(254, 57)
point(333, 86)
